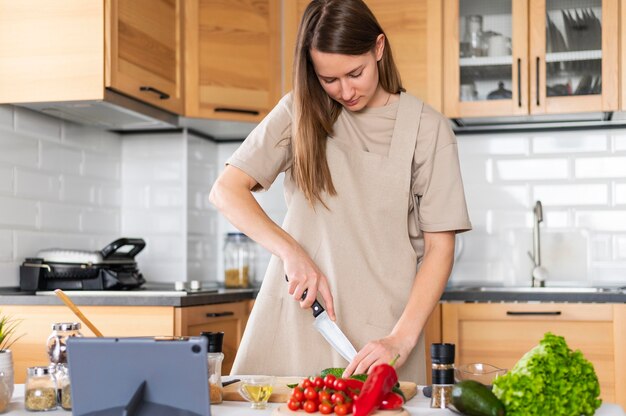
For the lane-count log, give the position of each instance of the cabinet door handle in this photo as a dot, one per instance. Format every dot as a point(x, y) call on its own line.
point(537, 79)
point(161, 94)
point(519, 82)
point(535, 313)
point(219, 314)
point(236, 110)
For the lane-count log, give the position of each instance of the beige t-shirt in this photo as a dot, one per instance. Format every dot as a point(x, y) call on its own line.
point(436, 178)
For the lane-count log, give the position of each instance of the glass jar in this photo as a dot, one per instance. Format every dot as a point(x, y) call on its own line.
point(57, 341)
point(238, 261)
point(442, 358)
point(64, 386)
point(474, 38)
point(215, 357)
point(40, 390)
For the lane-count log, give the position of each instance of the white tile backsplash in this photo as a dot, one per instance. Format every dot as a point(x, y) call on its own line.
point(102, 166)
point(79, 190)
point(586, 142)
point(6, 246)
point(620, 194)
point(37, 124)
point(531, 169)
point(101, 221)
point(60, 217)
point(37, 184)
point(6, 116)
point(601, 220)
point(20, 213)
point(575, 194)
point(18, 149)
point(600, 167)
point(6, 179)
point(60, 158)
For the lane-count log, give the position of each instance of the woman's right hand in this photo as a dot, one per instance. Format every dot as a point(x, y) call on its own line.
point(303, 274)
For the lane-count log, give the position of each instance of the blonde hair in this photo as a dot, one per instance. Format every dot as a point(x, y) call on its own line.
point(345, 27)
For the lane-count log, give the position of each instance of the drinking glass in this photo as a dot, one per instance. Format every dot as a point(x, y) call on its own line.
point(256, 390)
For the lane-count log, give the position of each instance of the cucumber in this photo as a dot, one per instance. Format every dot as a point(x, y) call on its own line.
point(475, 399)
point(337, 372)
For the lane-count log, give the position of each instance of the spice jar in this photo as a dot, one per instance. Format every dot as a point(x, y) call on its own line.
point(63, 384)
point(215, 357)
point(40, 390)
point(238, 261)
point(57, 341)
point(442, 358)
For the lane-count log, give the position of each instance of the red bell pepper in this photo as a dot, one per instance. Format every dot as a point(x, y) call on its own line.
point(391, 401)
point(354, 384)
point(380, 382)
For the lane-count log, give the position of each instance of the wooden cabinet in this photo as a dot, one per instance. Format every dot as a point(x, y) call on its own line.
point(414, 31)
point(125, 321)
point(72, 50)
point(530, 57)
point(501, 333)
point(146, 51)
point(229, 318)
point(233, 58)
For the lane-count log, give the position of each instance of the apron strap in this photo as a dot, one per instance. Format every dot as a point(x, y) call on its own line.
point(405, 131)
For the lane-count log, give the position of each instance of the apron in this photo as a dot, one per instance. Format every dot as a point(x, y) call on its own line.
point(361, 243)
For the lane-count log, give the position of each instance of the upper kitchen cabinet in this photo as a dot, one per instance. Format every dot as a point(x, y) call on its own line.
point(233, 58)
point(415, 33)
point(530, 57)
point(146, 51)
point(74, 50)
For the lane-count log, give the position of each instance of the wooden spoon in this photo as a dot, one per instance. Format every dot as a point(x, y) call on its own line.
point(77, 311)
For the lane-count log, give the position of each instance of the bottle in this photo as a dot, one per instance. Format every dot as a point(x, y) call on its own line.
point(40, 390)
point(238, 261)
point(215, 357)
point(474, 38)
point(442, 358)
point(57, 341)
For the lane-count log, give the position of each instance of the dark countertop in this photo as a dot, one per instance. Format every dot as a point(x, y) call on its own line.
point(162, 295)
point(149, 295)
point(517, 294)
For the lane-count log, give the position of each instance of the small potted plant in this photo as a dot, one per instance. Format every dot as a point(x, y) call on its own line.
point(8, 326)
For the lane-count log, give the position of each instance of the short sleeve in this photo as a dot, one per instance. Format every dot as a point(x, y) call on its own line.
point(266, 152)
point(437, 182)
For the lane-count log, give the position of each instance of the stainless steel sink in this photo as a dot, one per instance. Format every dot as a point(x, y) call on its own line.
point(528, 289)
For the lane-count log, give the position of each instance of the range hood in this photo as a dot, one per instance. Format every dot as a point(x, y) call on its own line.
point(114, 112)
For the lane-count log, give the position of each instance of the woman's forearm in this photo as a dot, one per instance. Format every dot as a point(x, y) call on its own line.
point(231, 195)
point(430, 282)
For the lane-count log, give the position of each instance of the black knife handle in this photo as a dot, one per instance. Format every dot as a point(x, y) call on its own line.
point(317, 307)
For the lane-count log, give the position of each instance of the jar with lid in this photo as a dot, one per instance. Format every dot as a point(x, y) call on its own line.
point(64, 395)
point(474, 37)
point(215, 357)
point(238, 261)
point(57, 341)
point(442, 358)
point(40, 390)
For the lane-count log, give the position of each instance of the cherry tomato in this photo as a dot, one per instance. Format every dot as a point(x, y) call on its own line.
point(293, 404)
point(337, 398)
point(318, 382)
point(310, 393)
point(310, 406)
point(340, 384)
point(306, 383)
point(324, 396)
point(297, 394)
point(329, 381)
point(325, 408)
point(354, 395)
point(343, 409)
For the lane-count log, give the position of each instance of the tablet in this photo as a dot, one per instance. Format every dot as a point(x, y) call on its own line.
point(139, 376)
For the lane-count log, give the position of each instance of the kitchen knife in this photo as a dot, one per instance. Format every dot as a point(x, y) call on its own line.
point(330, 330)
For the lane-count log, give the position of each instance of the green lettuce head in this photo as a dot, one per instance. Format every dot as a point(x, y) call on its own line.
point(550, 379)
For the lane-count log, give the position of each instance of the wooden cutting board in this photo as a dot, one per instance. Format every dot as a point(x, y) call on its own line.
point(281, 393)
point(284, 410)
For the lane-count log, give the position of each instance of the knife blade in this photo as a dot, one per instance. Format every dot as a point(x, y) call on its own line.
point(330, 330)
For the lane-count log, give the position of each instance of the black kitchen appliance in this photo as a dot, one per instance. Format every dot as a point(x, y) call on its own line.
point(112, 268)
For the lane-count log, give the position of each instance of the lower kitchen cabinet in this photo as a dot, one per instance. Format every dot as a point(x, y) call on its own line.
point(500, 333)
point(122, 321)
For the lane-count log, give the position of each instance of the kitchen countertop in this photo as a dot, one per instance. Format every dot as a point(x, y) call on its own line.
point(163, 295)
point(418, 406)
point(151, 294)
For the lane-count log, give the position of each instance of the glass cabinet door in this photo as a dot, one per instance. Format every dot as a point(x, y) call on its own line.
point(574, 52)
point(485, 58)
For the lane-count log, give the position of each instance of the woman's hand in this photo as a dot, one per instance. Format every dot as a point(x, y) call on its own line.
point(303, 274)
point(381, 351)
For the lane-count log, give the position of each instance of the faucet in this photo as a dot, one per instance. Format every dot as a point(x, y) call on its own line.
point(539, 273)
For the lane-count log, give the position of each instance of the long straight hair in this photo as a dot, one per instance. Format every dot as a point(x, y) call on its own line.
point(346, 27)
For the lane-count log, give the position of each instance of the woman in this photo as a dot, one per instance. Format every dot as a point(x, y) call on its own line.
point(372, 187)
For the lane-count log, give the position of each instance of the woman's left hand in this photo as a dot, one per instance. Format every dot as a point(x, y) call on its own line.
point(377, 352)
